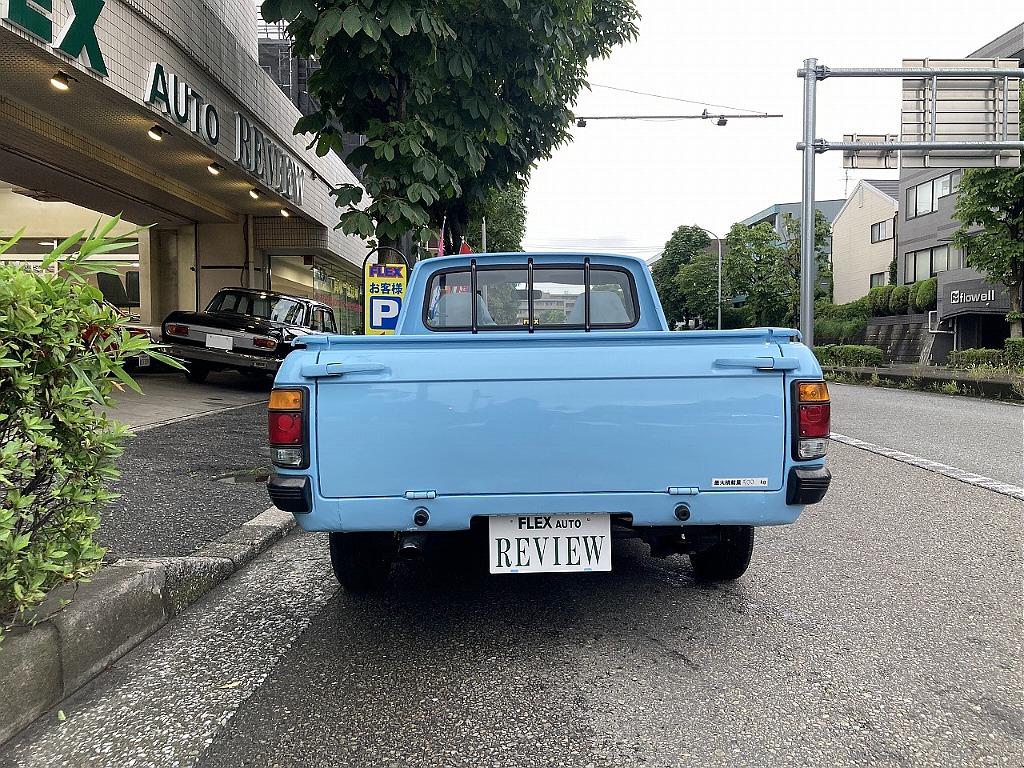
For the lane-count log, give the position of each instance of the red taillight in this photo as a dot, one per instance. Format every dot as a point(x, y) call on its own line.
point(177, 330)
point(264, 343)
point(285, 428)
point(815, 420)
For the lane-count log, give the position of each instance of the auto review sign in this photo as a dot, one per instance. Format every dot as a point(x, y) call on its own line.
point(78, 35)
point(255, 151)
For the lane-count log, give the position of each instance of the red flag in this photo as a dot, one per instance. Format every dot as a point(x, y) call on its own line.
point(465, 247)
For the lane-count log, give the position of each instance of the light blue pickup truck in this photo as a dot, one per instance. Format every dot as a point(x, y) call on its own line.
point(540, 400)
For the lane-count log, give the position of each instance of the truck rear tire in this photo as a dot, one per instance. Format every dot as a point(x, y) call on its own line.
point(359, 561)
point(726, 559)
point(197, 372)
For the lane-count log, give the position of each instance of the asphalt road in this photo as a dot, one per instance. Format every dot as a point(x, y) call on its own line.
point(976, 435)
point(883, 629)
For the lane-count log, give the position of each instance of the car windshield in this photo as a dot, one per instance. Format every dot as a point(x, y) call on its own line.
point(280, 309)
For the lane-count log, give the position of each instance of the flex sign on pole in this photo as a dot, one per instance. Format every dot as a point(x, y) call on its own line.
point(383, 292)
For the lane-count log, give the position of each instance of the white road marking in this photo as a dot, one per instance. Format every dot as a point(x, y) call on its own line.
point(934, 466)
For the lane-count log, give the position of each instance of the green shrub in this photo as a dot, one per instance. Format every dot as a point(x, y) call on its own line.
point(850, 311)
point(844, 355)
point(927, 294)
point(912, 299)
point(972, 358)
point(1014, 352)
point(836, 331)
point(879, 299)
point(61, 355)
point(899, 299)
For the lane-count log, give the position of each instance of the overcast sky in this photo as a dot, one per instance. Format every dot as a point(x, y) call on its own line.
point(625, 185)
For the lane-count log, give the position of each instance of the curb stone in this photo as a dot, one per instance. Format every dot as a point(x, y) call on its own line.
point(997, 387)
point(62, 648)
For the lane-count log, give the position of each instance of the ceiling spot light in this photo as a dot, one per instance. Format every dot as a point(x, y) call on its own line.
point(215, 168)
point(156, 133)
point(581, 123)
point(255, 193)
point(721, 121)
point(285, 212)
point(61, 81)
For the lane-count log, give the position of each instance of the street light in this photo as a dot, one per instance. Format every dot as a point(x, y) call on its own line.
point(719, 241)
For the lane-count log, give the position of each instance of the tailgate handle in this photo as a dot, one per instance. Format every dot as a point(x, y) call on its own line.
point(758, 363)
point(339, 369)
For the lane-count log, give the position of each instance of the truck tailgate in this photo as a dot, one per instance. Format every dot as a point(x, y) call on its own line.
point(550, 414)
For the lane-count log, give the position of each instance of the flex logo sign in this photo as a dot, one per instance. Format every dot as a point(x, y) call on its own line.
point(78, 35)
point(384, 285)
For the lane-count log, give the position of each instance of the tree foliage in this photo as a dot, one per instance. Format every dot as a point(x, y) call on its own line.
point(61, 357)
point(685, 244)
point(454, 98)
point(993, 199)
point(698, 282)
point(505, 211)
point(765, 267)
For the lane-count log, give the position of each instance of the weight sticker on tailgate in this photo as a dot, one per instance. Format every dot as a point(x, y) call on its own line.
point(739, 482)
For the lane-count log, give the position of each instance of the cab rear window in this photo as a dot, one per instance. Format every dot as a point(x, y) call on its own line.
point(528, 297)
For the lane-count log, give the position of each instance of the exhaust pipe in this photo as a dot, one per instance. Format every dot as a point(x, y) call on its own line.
point(410, 546)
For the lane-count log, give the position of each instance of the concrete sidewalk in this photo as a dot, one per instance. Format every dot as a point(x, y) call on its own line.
point(190, 513)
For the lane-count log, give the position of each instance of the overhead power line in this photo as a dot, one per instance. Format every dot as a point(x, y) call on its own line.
point(720, 119)
point(675, 98)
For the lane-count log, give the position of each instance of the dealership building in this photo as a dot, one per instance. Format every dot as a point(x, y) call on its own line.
point(160, 111)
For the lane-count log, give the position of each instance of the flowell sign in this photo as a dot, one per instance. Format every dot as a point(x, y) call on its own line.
point(972, 297)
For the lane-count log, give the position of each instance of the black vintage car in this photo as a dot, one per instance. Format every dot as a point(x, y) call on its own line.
point(243, 329)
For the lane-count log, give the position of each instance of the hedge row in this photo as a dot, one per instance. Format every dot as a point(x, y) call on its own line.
point(1013, 350)
point(848, 355)
point(972, 358)
point(920, 297)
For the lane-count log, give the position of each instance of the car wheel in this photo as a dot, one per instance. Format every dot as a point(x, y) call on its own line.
point(726, 559)
point(359, 561)
point(197, 372)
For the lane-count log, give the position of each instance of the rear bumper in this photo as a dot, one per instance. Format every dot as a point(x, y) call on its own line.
point(291, 493)
point(807, 485)
point(223, 358)
point(451, 513)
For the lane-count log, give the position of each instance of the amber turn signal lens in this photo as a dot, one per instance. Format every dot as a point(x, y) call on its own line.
point(812, 392)
point(286, 400)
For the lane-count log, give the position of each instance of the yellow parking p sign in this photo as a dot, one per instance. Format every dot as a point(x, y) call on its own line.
point(383, 292)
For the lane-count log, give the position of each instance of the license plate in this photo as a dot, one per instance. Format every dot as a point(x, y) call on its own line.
point(216, 341)
point(550, 543)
